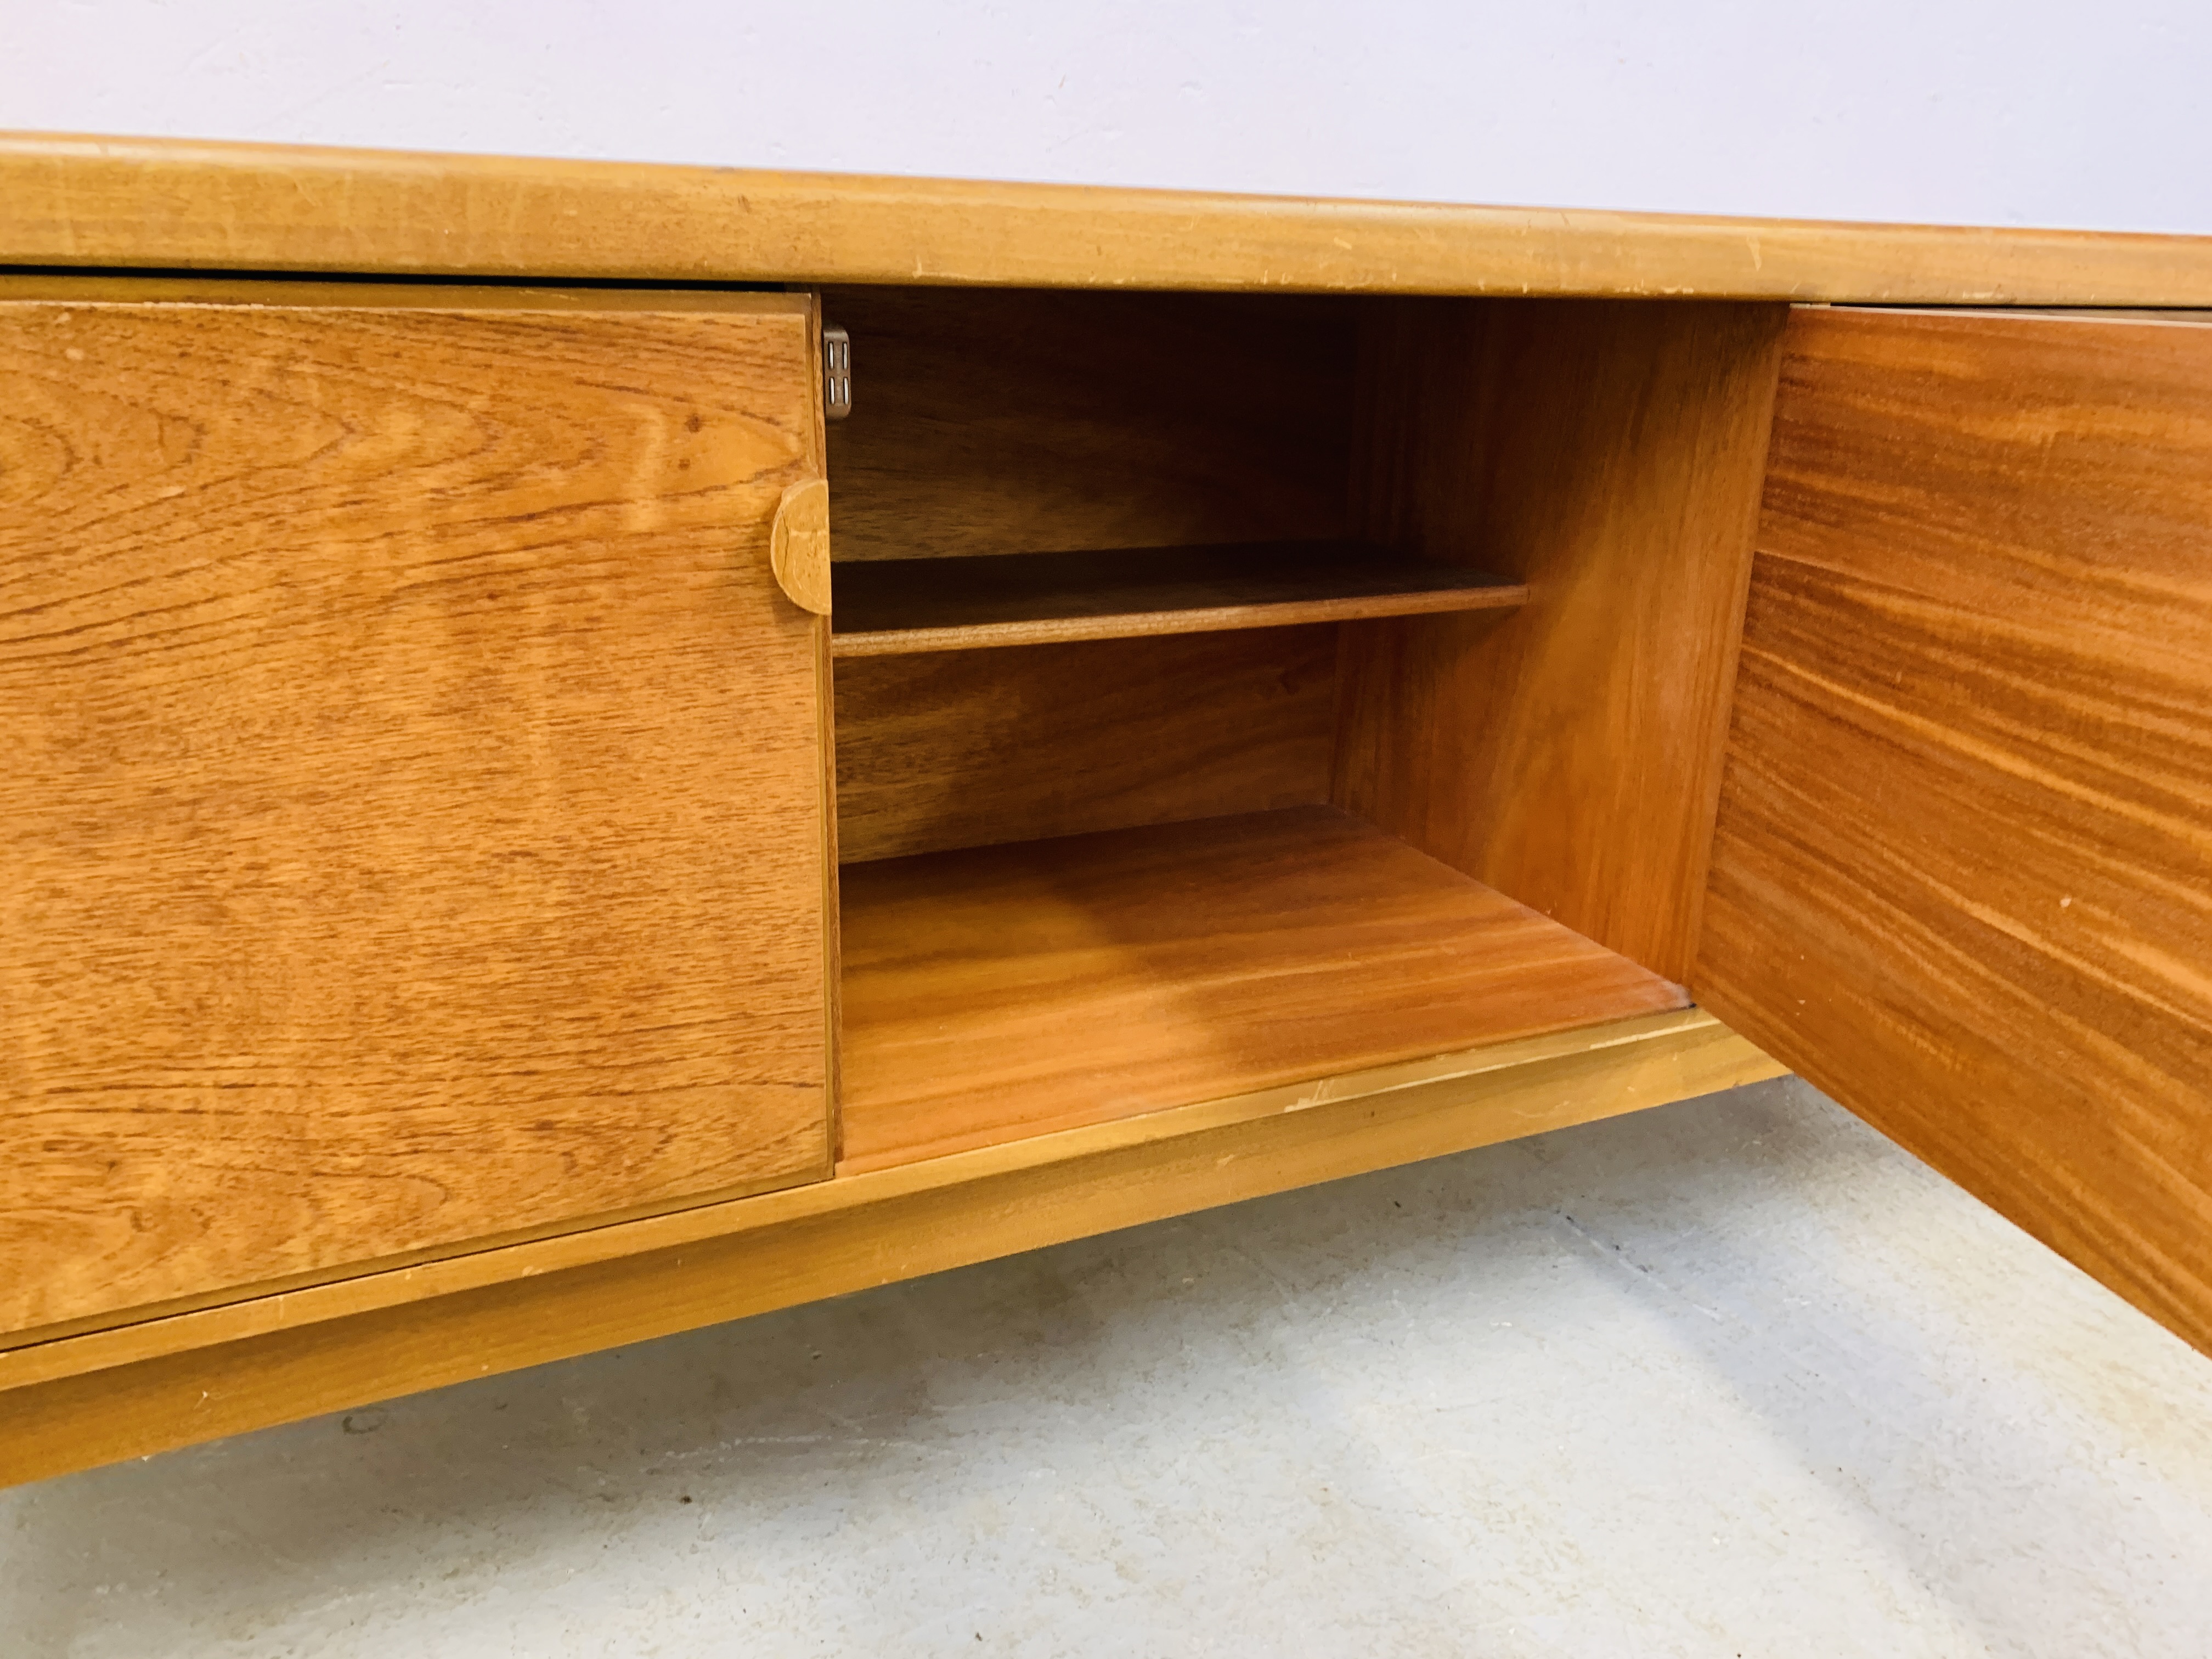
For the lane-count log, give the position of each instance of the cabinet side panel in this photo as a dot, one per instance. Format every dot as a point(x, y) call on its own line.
point(411, 826)
point(1609, 455)
point(1962, 877)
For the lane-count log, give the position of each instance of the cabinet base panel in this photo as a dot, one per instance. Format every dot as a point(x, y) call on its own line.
point(1000, 993)
point(102, 1398)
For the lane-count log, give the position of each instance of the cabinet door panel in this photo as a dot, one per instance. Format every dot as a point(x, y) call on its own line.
point(411, 827)
point(1963, 874)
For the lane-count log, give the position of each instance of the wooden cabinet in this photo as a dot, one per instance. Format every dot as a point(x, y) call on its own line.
point(1267, 736)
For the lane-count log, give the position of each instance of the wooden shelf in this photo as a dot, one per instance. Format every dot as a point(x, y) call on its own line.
point(998, 993)
point(884, 607)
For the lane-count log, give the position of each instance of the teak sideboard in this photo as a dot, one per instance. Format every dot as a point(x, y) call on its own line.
point(517, 834)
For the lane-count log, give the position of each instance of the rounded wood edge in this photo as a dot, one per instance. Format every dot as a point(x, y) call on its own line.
point(68, 199)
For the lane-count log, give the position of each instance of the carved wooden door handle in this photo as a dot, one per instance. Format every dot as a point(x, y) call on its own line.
point(798, 544)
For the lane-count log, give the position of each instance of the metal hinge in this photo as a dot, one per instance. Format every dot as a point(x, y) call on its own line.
point(837, 372)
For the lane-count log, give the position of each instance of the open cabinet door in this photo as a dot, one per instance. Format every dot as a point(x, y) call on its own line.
point(412, 829)
point(1962, 877)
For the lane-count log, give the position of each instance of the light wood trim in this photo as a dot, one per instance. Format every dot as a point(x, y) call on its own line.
point(1118, 593)
point(125, 1394)
point(798, 545)
point(76, 200)
point(1131, 625)
point(233, 292)
point(894, 606)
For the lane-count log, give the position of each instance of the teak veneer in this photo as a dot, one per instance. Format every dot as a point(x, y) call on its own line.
point(274, 651)
point(1979, 664)
point(512, 843)
point(941, 749)
point(1010, 991)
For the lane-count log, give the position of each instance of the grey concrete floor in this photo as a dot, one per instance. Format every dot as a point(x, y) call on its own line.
point(1733, 1377)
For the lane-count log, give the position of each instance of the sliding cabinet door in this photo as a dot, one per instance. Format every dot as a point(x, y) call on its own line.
point(411, 817)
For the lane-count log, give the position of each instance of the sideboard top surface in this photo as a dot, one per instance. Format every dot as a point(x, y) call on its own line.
point(189, 204)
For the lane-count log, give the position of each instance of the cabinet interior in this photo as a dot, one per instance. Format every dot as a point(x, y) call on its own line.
point(1234, 689)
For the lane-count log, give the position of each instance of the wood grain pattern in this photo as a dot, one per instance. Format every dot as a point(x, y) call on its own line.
point(1609, 456)
point(1010, 991)
point(1963, 874)
point(173, 202)
point(891, 606)
point(968, 749)
point(125, 1394)
point(412, 828)
point(1025, 423)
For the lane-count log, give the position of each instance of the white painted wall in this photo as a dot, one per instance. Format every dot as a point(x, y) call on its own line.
point(1957, 110)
